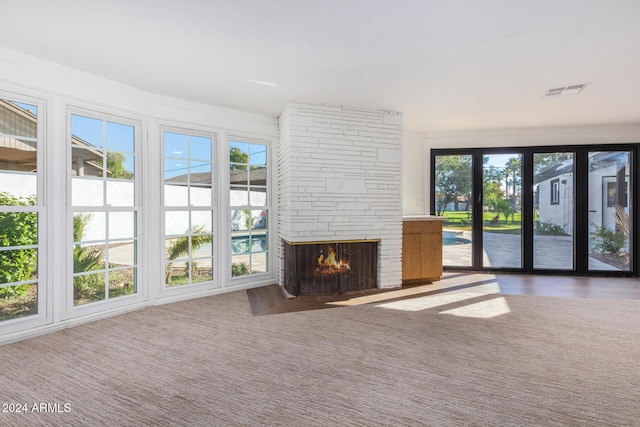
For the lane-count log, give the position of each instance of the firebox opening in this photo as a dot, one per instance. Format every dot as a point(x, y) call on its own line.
point(320, 268)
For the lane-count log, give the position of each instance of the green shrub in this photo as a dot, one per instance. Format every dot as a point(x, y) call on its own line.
point(85, 258)
point(239, 269)
point(608, 241)
point(17, 229)
point(549, 228)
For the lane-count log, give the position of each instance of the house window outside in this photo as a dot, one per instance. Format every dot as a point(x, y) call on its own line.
point(249, 203)
point(612, 195)
point(555, 191)
point(21, 206)
point(188, 208)
point(105, 209)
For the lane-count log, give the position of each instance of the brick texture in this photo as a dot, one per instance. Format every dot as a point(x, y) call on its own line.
point(340, 177)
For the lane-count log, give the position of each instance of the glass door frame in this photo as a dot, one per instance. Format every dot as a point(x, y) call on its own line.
point(581, 219)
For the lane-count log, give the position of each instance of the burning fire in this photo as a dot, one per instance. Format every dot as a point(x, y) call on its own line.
point(330, 265)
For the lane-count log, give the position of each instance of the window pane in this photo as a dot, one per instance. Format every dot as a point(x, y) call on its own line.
point(122, 282)
point(18, 150)
point(258, 219)
point(502, 223)
point(176, 223)
point(258, 154)
point(18, 119)
point(201, 246)
point(200, 171)
point(259, 263)
point(18, 229)
point(89, 226)
point(18, 301)
point(201, 148)
point(122, 225)
point(609, 210)
point(177, 248)
point(553, 210)
point(176, 273)
point(259, 242)
point(240, 265)
point(200, 195)
point(202, 219)
point(122, 253)
point(176, 192)
point(17, 189)
point(175, 145)
point(241, 220)
point(240, 244)
point(175, 170)
point(87, 192)
point(201, 270)
point(88, 288)
point(238, 154)
point(239, 196)
point(86, 162)
point(258, 196)
point(88, 257)
point(18, 265)
point(453, 201)
point(176, 195)
point(120, 193)
point(258, 176)
point(120, 166)
point(120, 137)
point(86, 131)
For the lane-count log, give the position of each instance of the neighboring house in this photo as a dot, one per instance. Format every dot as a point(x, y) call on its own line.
point(18, 151)
point(554, 193)
point(555, 190)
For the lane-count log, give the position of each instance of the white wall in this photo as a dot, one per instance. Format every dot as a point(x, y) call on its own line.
point(566, 135)
point(415, 174)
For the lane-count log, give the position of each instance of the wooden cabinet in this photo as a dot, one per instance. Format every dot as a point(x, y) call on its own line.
point(421, 250)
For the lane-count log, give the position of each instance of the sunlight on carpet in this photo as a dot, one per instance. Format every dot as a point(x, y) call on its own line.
point(429, 301)
point(482, 310)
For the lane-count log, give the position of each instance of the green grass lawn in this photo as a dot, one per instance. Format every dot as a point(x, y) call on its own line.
point(461, 220)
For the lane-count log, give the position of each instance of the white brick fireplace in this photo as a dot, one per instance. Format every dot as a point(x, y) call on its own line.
point(339, 179)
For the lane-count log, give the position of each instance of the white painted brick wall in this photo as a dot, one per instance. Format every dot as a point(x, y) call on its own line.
point(340, 178)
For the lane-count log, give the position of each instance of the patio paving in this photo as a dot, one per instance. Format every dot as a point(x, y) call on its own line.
point(504, 250)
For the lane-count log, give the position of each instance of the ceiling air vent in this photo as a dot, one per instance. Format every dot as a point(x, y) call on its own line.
point(563, 91)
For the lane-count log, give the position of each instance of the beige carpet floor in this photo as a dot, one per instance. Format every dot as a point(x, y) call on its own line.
point(451, 359)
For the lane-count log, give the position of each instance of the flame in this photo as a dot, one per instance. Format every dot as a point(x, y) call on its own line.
point(331, 265)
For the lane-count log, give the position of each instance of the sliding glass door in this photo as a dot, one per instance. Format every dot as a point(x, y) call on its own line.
point(553, 210)
point(453, 187)
point(502, 210)
point(609, 210)
point(538, 210)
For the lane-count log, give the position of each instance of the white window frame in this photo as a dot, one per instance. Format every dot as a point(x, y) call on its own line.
point(268, 276)
point(140, 295)
point(44, 301)
point(216, 165)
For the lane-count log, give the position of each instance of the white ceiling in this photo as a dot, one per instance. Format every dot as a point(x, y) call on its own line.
point(446, 64)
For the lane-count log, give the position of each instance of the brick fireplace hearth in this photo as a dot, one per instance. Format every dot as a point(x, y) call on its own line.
point(339, 179)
